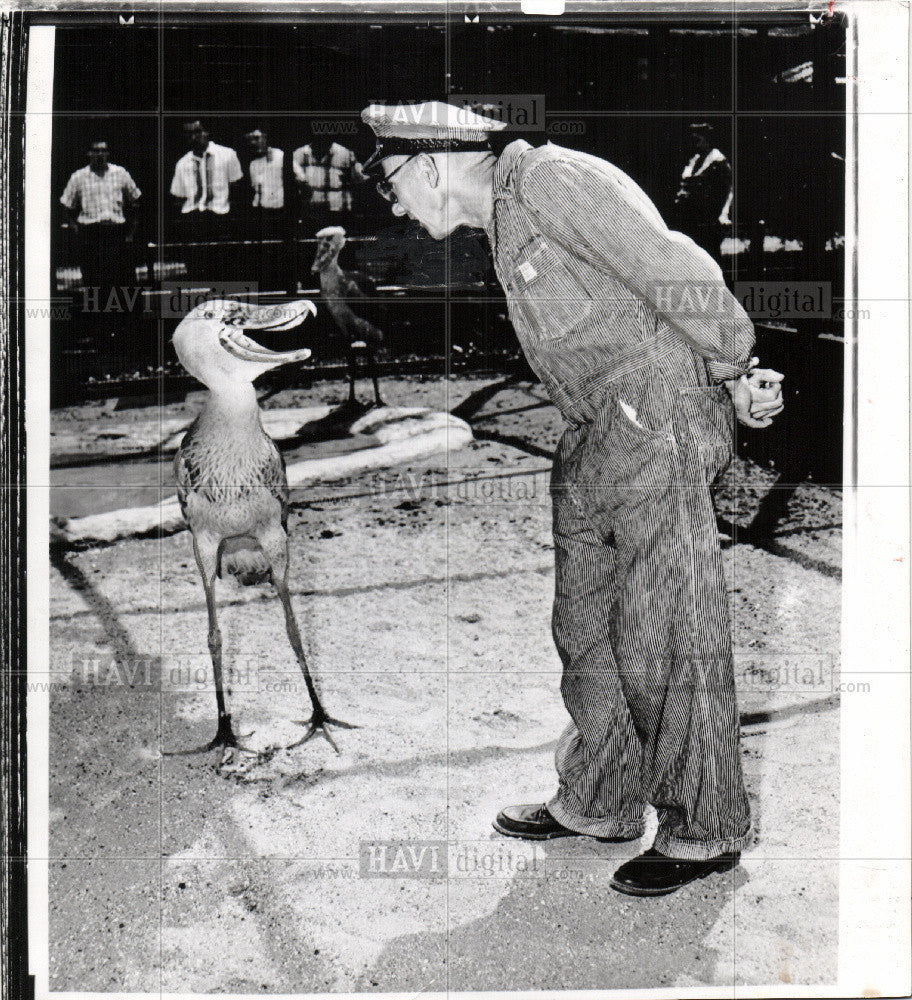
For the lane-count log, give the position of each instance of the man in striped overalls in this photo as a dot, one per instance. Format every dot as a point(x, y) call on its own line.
point(647, 356)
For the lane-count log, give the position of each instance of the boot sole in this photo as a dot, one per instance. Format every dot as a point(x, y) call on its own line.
point(559, 833)
point(534, 836)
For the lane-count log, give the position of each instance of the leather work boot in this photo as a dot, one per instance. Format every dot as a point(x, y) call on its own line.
point(654, 874)
point(534, 822)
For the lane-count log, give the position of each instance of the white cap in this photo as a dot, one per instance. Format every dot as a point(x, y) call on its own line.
point(432, 126)
point(430, 120)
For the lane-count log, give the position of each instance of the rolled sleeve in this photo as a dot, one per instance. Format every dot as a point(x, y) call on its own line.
point(70, 193)
point(234, 168)
point(178, 185)
point(130, 188)
point(610, 222)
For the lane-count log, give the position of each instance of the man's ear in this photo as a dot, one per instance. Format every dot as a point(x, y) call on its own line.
point(428, 167)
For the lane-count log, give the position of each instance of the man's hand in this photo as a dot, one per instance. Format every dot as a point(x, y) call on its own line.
point(757, 396)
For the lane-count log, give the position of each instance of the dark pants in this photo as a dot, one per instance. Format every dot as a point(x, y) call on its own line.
point(641, 620)
point(208, 260)
point(108, 275)
point(706, 231)
point(270, 223)
point(709, 236)
point(272, 228)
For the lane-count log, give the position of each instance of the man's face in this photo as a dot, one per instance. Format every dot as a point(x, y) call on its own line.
point(420, 190)
point(319, 146)
point(258, 143)
point(199, 139)
point(98, 154)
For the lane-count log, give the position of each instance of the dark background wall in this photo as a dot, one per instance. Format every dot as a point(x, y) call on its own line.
point(633, 88)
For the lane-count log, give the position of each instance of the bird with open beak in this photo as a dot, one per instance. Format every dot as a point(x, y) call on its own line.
point(231, 480)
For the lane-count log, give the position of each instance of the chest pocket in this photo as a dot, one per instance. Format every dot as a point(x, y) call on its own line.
point(550, 297)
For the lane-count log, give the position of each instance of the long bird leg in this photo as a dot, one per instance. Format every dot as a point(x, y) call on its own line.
point(373, 374)
point(205, 549)
point(352, 375)
point(275, 547)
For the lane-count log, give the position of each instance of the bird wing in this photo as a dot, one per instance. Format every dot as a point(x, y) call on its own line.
point(187, 472)
point(267, 469)
point(358, 285)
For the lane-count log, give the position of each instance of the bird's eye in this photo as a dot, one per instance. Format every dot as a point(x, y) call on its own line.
point(208, 315)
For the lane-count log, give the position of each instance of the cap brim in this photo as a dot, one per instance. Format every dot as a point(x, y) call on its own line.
point(399, 146)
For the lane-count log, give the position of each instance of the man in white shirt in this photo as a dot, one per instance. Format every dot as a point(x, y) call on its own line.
point(203, 188)
point(268, 183)
point(266, 171)
point(271, 219)
point(100, 204)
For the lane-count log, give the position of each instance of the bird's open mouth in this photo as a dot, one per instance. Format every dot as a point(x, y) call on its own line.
point(282, 316)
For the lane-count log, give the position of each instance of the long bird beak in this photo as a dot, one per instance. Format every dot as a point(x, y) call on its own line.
point(320, 256)
point(282, 316)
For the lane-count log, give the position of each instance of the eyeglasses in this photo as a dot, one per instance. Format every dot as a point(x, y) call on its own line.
point(384, 188)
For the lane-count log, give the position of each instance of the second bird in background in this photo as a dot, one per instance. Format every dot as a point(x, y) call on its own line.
point(351, 297)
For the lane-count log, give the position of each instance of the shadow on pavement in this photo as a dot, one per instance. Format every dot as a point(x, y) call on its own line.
point(564, 928)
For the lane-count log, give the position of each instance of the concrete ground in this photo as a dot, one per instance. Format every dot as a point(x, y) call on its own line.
point(424, 597)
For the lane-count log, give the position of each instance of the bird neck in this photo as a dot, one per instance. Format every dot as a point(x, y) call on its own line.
point(232, 404)
point(331, 273)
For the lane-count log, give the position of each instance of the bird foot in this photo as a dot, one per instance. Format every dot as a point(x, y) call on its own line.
point(225, 738)
point(317, 726)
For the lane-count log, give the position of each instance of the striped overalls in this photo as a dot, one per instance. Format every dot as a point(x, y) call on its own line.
point(640, 611)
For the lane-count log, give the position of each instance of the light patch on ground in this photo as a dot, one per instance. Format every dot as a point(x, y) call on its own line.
point(230, 935)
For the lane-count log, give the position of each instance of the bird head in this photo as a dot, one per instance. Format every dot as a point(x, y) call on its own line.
point(212, 345)
point(331, 240)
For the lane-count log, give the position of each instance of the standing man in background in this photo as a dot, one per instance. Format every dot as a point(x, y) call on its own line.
point(100, 201)
point(326, 173)
point(203, 188)
point(648, 387)
point(271, 217)
point(268, 184)
point(703, 203)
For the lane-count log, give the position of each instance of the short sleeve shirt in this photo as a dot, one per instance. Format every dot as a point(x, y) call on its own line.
point(328, 179)
point(204, 181)
point(266, 180)
point(100, 196)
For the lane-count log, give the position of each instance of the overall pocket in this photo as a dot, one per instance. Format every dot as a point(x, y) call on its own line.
point(550, 297)
point(619, 466)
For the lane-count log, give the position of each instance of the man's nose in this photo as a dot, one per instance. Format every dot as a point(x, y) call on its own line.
point(398, 209)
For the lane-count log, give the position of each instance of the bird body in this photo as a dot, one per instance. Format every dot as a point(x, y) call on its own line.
point(230, 474)
point(231, 480)
point(351, 298)
point(340, 289)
